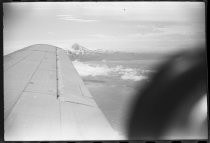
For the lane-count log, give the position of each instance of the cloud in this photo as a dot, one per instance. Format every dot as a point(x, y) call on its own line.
point(103, 36)
point(78, 20)
point(90, 70)
point(85, 69)
point(149, 29)
point(128, 73)
point(71, 18)
point(131, 76)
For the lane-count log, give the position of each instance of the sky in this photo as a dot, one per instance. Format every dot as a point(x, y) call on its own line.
point(117, 26)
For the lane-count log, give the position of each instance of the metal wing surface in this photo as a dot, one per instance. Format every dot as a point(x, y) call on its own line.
point(45, 99)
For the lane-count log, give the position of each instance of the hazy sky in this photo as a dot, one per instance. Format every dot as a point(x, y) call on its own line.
point(127, 26)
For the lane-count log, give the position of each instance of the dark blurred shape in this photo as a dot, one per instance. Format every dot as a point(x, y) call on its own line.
point(150, 142)
point(202, 141)
point(176, 142)
point(171, 94)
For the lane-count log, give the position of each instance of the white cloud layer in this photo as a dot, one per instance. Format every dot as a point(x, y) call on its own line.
point(90, 70)
point(71, 18)
point(132, 76)
point(85, 69)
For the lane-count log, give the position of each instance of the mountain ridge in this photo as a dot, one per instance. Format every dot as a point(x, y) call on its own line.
point(78, 52)
point(79, 49)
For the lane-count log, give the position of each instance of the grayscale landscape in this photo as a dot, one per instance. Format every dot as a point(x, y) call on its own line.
point(112, 48)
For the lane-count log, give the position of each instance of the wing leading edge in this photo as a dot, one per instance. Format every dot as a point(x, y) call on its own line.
point(45, 99)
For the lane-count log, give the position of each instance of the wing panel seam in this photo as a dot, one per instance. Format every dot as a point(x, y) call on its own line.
point(19, 96)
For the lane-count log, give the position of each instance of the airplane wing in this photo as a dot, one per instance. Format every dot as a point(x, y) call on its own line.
point(45, 99)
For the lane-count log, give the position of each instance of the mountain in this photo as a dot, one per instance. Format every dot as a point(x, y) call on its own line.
point(80, 50)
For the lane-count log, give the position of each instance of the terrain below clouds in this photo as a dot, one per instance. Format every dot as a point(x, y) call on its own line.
point(112, 78)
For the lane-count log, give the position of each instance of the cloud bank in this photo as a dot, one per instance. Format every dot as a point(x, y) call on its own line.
point(71, 18)
point(85, 69)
